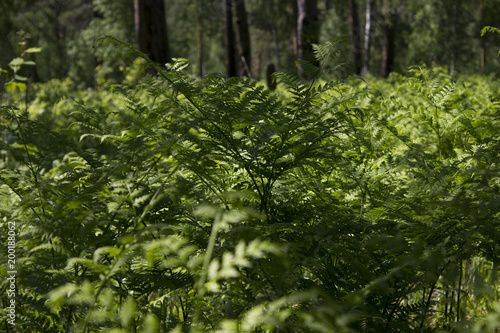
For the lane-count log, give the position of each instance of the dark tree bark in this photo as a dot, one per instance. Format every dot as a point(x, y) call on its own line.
point(453, 39)
point(199, 38)
point(229, 39)
point(299, 14)
point(389, 32)
point(151, 30)
point(355, 36)
point(276, 48)
point(312, 22)
point(270, 69)
point(244, 49)
point(307, 30)
point(482, 40)
point(388, 50)
point(367, 42)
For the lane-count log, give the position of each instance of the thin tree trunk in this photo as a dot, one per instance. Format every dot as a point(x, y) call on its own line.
point(244, 49)
point(307, 30)
point(60, 35)
point(311, 29)
point(151, 30)
point(389, 32)
point(301, 16)
point(482, 40)
point(388, 50)
point(367, 37)
point(270, 69)
point(453, 38)
point(199, 38)
point(276, 49)
point(257, 64)
point(355, 38)
point(295, 42)
point(483, 57)
point(229, 40)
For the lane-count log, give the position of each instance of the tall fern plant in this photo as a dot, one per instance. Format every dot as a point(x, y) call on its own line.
point(213, 204)
point(180, 212)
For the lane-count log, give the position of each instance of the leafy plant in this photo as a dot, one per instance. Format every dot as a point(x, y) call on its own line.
point(490, 29)
point(214, 204)
point(18, 81)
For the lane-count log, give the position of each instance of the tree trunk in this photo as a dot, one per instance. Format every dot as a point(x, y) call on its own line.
point(229, 40)
point(453, 38)
point(298, 31)
point(388, 50)
point(482, 42)
point(276, 49)
point(311, 29)
point(301, 17)
point(257, 64)
point(244, 49)
point(270, 69)
point(307, 30)
point(199, 38)
point(151, 30)
point(367, 42)
point(355, 36)
point(389, 32)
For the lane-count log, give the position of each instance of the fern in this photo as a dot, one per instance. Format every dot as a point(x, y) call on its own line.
point(214, 204)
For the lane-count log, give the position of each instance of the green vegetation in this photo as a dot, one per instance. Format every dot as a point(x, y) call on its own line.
point(175, 203)
point(444, 33)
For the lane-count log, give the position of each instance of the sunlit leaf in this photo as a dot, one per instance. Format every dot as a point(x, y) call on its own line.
point(33, 50)
point(13, 86)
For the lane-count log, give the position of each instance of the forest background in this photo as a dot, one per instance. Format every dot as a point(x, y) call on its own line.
point(384, 36)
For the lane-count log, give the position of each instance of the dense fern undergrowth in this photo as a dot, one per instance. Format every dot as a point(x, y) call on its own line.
point(180, 204)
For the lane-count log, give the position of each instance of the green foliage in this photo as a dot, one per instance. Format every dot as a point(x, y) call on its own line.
point(490, 29)
point(91, 65)
point(173, 203)
point(17, 81)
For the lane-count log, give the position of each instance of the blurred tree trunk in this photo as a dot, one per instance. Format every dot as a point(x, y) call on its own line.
point(151, 30)
point(307, 30)
point(482, 40)
point(276, 48)
point(199, 38)
point(244, 49)
point(367, 37)
point(270, 69)
point(299, 28)
point(388, 50)
point(389, 32)
point(229, 39)
point(453, 38)
point(355, 36)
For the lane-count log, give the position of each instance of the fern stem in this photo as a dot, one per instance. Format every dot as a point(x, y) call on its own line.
point(68, 320)
point(426, 308)
point(459, 290)
point(204, 270)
